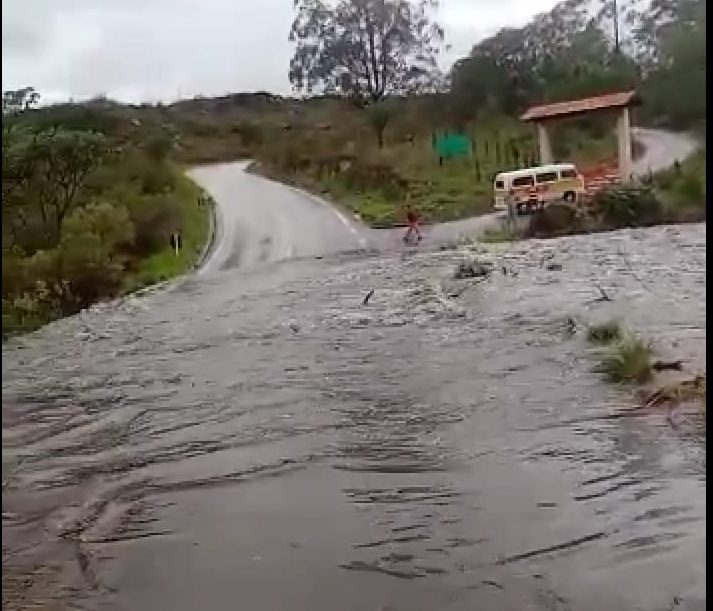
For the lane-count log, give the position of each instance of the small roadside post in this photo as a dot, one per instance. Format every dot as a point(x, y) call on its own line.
point(511, 216)
point(176, 242)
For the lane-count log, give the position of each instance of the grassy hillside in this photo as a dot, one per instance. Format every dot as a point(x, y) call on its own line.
point(329, 146)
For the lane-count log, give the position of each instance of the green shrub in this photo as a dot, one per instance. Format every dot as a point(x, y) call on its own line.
point(154, 218)
point(604, 333)
point(690, 189)
point(82, 269)
point(365, 175)
point(200, 128)
point(88, 257)
point(627, 206)
point(31, 309)
point(554, 220)
point(40, 294)
point(13, 271)
point(250, 134)
point(627, 361)
point(664, 180)
point(158, 146)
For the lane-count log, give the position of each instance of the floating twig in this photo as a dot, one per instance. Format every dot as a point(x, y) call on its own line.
point(368, 296)
point(603, 296)
point(667, 365)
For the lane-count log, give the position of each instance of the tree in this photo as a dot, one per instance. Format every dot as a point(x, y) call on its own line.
point(364, 49)
point(87, 255)
point(379, 114)
point(653, 28)
point(19, 100)
point(507, 70)
point(610, 10)
point(560, 55)
point(47, 170)
point(158, 146)
point(676, 89)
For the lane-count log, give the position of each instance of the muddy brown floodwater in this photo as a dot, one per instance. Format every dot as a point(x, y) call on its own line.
point(260, 440)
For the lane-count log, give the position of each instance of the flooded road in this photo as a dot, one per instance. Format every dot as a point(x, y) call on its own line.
point(261, 439)
point(661, 149)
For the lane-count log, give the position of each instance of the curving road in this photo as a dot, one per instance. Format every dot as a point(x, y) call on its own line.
point(661, 149)
point(261, 221)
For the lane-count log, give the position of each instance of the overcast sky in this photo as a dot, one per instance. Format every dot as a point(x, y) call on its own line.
point(149, 50)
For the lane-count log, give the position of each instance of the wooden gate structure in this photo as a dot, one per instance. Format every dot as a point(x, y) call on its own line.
point(544, 115)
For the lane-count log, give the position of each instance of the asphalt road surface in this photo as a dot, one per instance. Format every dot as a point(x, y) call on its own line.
point(661, 149)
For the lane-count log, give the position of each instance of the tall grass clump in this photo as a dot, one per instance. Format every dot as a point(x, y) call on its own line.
point(629, 360)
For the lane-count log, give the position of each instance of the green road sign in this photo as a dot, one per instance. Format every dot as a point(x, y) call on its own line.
point(452, 145)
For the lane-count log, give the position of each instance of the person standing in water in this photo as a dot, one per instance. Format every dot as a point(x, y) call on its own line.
point(412, 217)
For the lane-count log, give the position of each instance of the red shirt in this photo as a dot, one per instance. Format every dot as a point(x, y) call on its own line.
point(412, 216)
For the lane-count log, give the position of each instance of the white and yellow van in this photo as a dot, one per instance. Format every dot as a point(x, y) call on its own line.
point(536, 187)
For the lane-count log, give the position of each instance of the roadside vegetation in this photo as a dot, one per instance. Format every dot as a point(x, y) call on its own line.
point(384, 158)
point(675, 195)
point(625, 358)
point(87, 215)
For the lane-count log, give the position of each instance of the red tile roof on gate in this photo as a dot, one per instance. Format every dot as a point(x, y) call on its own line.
point(573, 107)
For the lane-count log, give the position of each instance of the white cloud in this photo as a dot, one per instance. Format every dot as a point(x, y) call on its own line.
point(146, 50)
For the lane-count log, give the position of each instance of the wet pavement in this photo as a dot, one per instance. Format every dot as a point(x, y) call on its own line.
point(259, 439)
point(661, 149)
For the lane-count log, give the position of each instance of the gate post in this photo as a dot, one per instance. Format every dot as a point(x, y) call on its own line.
point(623, 132)
point(543, 139)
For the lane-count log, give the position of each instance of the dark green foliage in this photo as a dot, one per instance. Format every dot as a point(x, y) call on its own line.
point(158, 147)
point(250, 134)
point(627, 361)
point(81, 210)
point(554, 220)
point(378, 115)
point(564, 54)
point(628, 206)
point(374, 175)
point(674, 40)
point(364, 49)
point(44, 173)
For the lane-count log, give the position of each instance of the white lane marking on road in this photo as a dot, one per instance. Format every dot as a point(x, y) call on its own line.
point(343, 219)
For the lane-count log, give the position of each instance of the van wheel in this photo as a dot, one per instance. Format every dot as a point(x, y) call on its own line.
point(570, 197)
